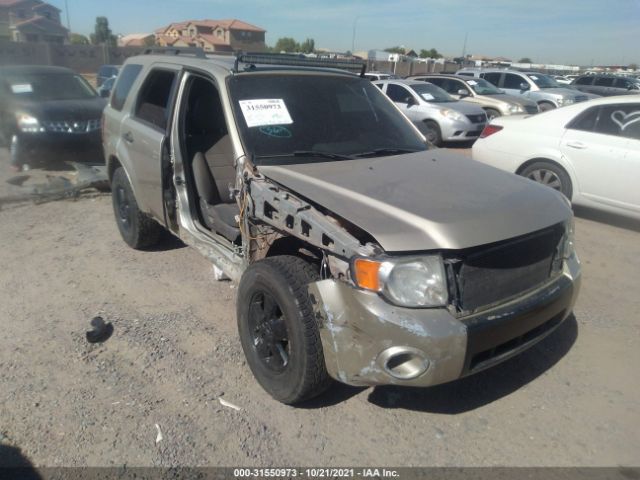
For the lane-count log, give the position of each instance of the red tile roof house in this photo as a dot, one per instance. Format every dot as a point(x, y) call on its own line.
point(213, 35)
point(31, 21)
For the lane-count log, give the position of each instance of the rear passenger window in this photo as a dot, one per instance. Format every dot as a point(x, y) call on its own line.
point(153, 101)
point(604, 81)
point(584, 81)
point(622, 83)
point(123, 85)
point(492, 77)
point(620, 120)
point(513, 81)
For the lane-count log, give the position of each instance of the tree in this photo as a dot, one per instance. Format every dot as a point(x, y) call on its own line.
point(78, 39)
point(525, 60)
point(103, 34)
point(632, 66)
point(308, 46)
point(395, 50)
point(431, 53)
point(150, 41)
point(286, 44)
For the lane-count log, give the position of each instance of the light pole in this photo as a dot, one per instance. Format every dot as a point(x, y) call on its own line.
point(66, 9)
point(353, 38)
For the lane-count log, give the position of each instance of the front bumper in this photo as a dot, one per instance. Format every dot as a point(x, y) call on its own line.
point(44, 141)
point(365, 339)
point(460, 131)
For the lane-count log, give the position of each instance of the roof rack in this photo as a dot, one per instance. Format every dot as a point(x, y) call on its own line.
point(195, 51)
point(298, 60)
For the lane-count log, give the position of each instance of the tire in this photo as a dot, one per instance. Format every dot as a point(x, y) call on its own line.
point(431, 131)
point(550, 174)
point(278, 330)
point(491, 113)
point(137, 229)
point(546, 106)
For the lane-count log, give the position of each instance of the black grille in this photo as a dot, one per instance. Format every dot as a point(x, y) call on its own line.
point(480, 118)
point(581, 98)
point(498, 271)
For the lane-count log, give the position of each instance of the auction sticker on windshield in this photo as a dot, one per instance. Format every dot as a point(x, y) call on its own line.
point(261, 112)
point(22, 88)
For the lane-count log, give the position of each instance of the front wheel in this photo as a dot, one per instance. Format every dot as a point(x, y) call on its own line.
point(491, 114)
point(546, 106)
point(431, 131)
point(550, 175)
point(278, 331)
point(137, 229)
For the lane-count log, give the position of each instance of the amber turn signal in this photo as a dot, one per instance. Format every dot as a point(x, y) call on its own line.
point(366, 274)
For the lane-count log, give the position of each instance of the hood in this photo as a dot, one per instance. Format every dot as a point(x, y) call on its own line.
point(59, 110)
point(460, 106)
point(426, 200)
point(563, 92)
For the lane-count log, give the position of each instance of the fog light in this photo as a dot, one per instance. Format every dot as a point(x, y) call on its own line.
point(403, 363)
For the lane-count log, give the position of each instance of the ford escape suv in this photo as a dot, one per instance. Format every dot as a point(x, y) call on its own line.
point(362, 254)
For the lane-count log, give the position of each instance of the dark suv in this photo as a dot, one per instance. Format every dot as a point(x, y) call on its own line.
point(607, 85)
point(47, 108)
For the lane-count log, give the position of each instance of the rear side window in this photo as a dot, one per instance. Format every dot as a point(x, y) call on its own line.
point(123, 85)
point(513, 81)
point(397, 93)
point(604, 82)
point(153, 101)
point(492, 77)
point(584, 81)
point(620, 120)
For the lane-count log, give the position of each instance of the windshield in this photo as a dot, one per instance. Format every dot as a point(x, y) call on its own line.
point(302, 118)
point(43, 87)
point(543, 81)
point(482, 87)
point(432, 93)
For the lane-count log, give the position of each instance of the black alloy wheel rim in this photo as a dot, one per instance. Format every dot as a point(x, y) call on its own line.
point(124, 208)
point(269, 335)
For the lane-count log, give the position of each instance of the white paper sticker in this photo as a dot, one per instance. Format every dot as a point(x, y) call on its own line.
point(472, 82)
point(261, 112)
point(533, 77)
point(22, 88)
point(427, 96)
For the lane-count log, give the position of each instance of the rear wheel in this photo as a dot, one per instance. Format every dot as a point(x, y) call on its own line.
point(545, 106)
point(137, 229)
point(432, 133)
point(278, 330)
point(550, 175)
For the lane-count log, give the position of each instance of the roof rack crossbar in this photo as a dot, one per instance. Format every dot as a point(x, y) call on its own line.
point(195, 51)
point(295, 60)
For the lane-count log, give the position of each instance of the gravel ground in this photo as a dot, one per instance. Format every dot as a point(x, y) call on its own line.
point(571, 400)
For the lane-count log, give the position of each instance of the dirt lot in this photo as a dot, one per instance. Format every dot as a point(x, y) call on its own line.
point(571, 400)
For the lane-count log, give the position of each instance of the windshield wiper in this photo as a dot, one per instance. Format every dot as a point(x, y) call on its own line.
point(381, 152)
point(309, 153)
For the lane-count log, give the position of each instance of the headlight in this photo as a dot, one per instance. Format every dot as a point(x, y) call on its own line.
point(418, 281)
point(568, 244)
point(516, 109)
point(453, 115)
point(27, 123)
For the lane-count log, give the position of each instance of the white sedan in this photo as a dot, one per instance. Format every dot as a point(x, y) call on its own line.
point(588, 151)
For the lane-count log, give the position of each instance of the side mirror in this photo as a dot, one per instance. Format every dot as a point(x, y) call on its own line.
point(632, 86)
point(411, 101)
point(105, 93)
point(524, 86)
point(463, 93)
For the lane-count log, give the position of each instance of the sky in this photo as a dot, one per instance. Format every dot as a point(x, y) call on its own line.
point(583, 32)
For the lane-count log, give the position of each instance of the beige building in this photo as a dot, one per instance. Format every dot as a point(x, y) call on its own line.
point(31, 21)
point(213, 35)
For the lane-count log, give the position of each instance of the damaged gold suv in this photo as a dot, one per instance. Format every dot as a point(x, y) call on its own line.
point(362, 254)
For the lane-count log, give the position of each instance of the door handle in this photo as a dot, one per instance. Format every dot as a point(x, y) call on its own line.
point(578, 145)
point(128, 137)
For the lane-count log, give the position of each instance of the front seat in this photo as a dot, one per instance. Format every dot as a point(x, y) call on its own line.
point(213, 168)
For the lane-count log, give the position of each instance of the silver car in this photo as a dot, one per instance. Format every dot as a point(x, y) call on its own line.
point(541, 88)
point(482, 93)
point(440, 117)
point(361, 254)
